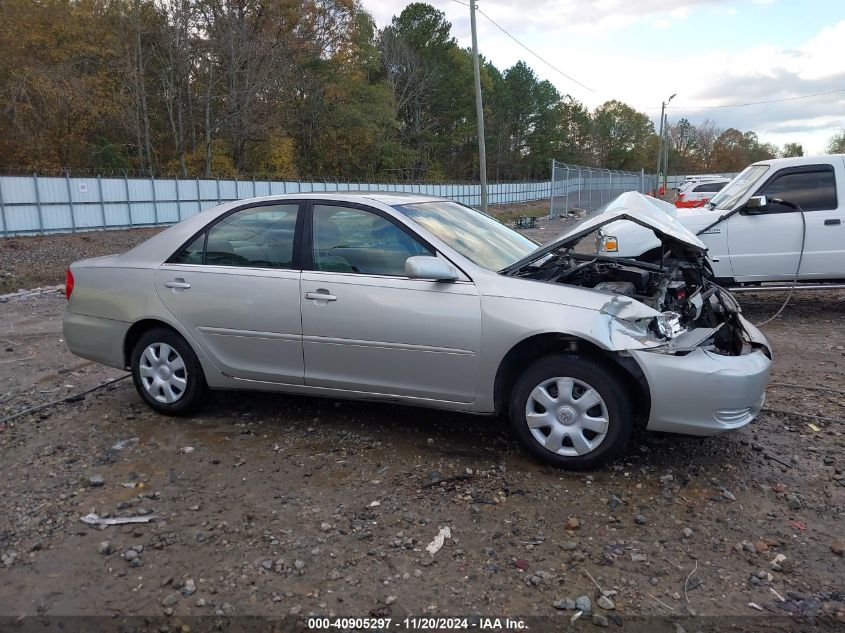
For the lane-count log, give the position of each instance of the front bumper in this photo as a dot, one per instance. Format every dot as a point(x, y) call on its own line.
point(703, 393)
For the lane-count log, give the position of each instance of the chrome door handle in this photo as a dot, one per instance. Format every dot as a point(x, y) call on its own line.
point(320, 296)
point(177, 284)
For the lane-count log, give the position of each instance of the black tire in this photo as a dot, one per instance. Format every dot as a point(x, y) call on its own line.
point(584, 371)
point(195, 391)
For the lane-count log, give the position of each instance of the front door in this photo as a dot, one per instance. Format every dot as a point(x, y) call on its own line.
point(235, 289)
point(768, 245)
point(369, 328)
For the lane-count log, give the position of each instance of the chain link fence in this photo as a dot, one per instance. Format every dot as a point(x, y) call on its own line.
point(588, 188)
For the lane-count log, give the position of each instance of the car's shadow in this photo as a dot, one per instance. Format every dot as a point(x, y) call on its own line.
point(408, 429)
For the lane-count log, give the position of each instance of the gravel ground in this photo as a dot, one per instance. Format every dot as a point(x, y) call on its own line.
point(30, 262)
point(272, 505)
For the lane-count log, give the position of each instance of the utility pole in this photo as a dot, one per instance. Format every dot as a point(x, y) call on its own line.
point(665, 151)
point(660, 145)
point(479, 110)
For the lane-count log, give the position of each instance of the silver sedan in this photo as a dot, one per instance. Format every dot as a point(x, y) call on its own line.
point(423, 301)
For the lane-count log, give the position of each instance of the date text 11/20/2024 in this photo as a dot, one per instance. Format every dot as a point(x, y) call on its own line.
point(417, 624)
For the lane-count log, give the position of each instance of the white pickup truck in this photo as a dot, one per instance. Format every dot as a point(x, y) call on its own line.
point(751, 235)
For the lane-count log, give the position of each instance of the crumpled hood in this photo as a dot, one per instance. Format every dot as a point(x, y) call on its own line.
point(651, 213)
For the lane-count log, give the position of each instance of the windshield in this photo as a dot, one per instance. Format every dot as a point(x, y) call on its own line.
point(480, 238)
point(738, 187)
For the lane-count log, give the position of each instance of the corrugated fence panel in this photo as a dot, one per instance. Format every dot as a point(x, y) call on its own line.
point(42, 204)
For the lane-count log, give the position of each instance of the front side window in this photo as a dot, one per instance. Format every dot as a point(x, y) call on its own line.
point(193, 253)
point(352, 240)
point(813, 190)
point(257, 237)
point(480, 238)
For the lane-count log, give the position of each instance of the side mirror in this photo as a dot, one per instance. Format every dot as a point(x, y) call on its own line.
point(427, 267)
point(756, 205)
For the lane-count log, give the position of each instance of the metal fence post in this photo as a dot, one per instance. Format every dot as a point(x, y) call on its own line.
point(642, 180)
point(128, 201)
point(219, 201)
point(552, 196)
point(70, 202)
point(102, 202)
point(155, 201)
point(178, 200)
point(3, 211)
point(580, 184)
point(38, 204)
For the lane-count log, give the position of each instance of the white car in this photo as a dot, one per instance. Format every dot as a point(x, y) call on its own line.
point(696, 193)
point(752, 228)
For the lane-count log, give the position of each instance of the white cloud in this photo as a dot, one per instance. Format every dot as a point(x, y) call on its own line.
point(580, 38)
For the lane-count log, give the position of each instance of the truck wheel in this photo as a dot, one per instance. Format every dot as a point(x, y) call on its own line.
point(571, 412)
point(167, 373)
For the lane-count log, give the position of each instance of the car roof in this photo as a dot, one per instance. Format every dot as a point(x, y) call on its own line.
point(798, 161)
point(705, 181)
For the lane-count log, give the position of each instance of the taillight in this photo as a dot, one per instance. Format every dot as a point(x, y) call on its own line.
point(68, 284)
point(681, 196)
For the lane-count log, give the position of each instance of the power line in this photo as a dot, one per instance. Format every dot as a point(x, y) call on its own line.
point(751, 103)
point(547, 63)
point(678, 107)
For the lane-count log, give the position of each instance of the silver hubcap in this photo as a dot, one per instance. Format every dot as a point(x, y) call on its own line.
point(567, 416)
point(163, 373)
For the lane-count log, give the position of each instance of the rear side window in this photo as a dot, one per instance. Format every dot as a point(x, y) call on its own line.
point(814, 189)
point(710, 187)
point(258, 237)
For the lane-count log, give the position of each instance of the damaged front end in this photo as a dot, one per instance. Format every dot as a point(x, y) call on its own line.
point(672, 305)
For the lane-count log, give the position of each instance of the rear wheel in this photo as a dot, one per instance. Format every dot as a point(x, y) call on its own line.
point(167, 373)
point(571, 412)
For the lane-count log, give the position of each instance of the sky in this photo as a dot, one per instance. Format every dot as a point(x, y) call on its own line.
point(708, 52)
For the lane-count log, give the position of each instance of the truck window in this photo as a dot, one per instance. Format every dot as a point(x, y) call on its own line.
point(813, 187)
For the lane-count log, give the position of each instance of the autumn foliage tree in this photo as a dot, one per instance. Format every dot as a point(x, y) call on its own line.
point(289, 89)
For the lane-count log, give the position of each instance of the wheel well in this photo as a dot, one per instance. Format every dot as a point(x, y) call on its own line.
point(652, 255)
point(539, 346)
point(136, 332)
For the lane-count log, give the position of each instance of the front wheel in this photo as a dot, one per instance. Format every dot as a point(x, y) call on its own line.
point(571, 412)
point(167, 374)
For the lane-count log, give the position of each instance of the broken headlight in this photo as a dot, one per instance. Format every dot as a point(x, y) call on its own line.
point(666, 325)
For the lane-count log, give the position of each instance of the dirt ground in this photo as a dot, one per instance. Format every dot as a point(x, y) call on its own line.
point(271, 505)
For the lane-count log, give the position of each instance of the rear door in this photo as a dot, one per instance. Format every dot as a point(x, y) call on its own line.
point(767, 246)
point(369, 328)
point(235, 289)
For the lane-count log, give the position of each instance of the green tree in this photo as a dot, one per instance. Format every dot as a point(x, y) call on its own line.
point(684, 150)
point(793, 149)
point(836, 145)
point(729, 151)
point(620, 136)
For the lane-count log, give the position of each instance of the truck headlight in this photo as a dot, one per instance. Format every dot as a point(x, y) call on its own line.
point(607, 244)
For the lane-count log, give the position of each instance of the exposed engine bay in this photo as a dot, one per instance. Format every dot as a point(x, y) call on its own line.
point(682, 290)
